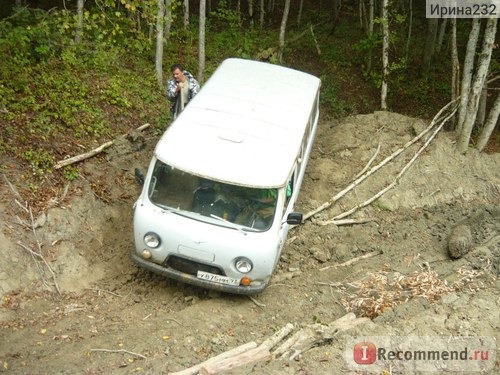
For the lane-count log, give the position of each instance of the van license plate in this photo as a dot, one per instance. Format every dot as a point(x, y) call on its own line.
point(217, 278)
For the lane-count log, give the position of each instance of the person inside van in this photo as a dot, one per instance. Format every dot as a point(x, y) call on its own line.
point(181, 88)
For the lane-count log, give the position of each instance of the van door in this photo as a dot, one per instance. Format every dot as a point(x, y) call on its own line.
point(290, 197)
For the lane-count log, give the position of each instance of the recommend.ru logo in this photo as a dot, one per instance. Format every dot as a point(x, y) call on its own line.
point(421, 353)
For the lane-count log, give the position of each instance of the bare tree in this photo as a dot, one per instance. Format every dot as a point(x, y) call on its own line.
point(201, 42)
point(481, 109)
point(250, 11)
point(262, 14)
point(79, 22)
point(370, 34)
point(467, 72)
point(430, 41)
point(168, 19)
point(159, 42)
point(385, 55)
point(477, 86)
point(299, 13)
point(442, 32)
point(284, 20)
point(410, 26)
point(186, 14)
point(455, 72)
point(489, 125)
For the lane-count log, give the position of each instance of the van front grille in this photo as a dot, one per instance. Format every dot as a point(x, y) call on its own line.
point(190, 267)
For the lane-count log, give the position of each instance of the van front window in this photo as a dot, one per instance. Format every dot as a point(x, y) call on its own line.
point(208, 199)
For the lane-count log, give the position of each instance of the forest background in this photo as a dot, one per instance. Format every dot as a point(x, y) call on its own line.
point(76, 74)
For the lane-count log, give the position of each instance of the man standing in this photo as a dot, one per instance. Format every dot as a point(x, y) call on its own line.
point(181, 88)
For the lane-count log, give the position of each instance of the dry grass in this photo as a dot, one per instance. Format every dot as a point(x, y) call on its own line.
point(379, 291)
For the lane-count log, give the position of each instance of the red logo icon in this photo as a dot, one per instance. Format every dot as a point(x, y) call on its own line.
point(365, 353)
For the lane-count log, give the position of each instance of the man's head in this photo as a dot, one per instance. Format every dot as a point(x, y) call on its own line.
point(178, 72)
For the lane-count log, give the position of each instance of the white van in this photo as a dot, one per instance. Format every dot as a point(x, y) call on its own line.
point(218, 198)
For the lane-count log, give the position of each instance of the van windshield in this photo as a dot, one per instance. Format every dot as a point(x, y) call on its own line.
point(249, 207)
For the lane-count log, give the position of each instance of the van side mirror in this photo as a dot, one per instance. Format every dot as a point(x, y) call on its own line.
point(139, 177)
point(294, 218)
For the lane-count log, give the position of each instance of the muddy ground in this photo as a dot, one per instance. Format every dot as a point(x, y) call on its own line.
point(110, 317)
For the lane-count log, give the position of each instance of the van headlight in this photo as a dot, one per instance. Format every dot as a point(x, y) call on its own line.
point(243, 265)
point(152, 240)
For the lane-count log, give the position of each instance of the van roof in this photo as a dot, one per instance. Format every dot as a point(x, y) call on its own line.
point(245, 126)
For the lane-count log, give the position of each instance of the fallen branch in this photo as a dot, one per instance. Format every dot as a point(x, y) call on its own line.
point(345, 221)
point(95, 151)
point(314, 335)
point(389, 158)
point(354, 260)
point(14, 191)
point(315, 41)
point(369, 162)
point(262, 352)
point(123, 351)
point(399, 175)
point(230, 353)
point(256, 302)
point(35, 254)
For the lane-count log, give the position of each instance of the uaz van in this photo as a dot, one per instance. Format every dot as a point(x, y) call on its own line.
point(218, 198)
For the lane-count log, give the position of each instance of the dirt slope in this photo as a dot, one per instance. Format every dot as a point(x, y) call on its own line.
point(106, 302)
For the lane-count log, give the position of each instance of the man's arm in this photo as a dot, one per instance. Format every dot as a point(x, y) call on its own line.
point(172, 90)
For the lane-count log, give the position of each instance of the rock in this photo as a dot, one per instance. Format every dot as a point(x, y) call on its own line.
point(460, 241)
point(321, 255)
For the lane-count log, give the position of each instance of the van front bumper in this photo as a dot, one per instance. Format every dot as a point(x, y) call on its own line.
point(193, 280)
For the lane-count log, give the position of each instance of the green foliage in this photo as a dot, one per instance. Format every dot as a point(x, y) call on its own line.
point(224, 18)
point(113, 93)
point(40, 160)
point(331, 103)
point(70, 173)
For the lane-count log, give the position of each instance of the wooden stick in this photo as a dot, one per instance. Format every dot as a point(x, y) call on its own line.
point(369, 162)
point(119, 351)
point(354, 260)
point(230, 353)
point(314, 335)
point(35, 254)
point(278, 336)
point(77, 158)
point(344, 221)
point(260, 353)
point(256, 302)
point(95, 151)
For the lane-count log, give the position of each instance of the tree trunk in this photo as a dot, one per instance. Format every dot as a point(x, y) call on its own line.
point(489, 125)
point(262, 14)
point(410, 26)
point(385, 55)
point(168, 19)
point(186, 14)
point(201, 49)
point(370, 35)
point(79, 24)
point(467, 72)
point(299, 14)
point(250, 11)
point(455, 72)
point(284, 20)
point(430, 41)
point(159, 42)
point(442, 32)
point(481, 110)
point(335, 12)
point(482, 70)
